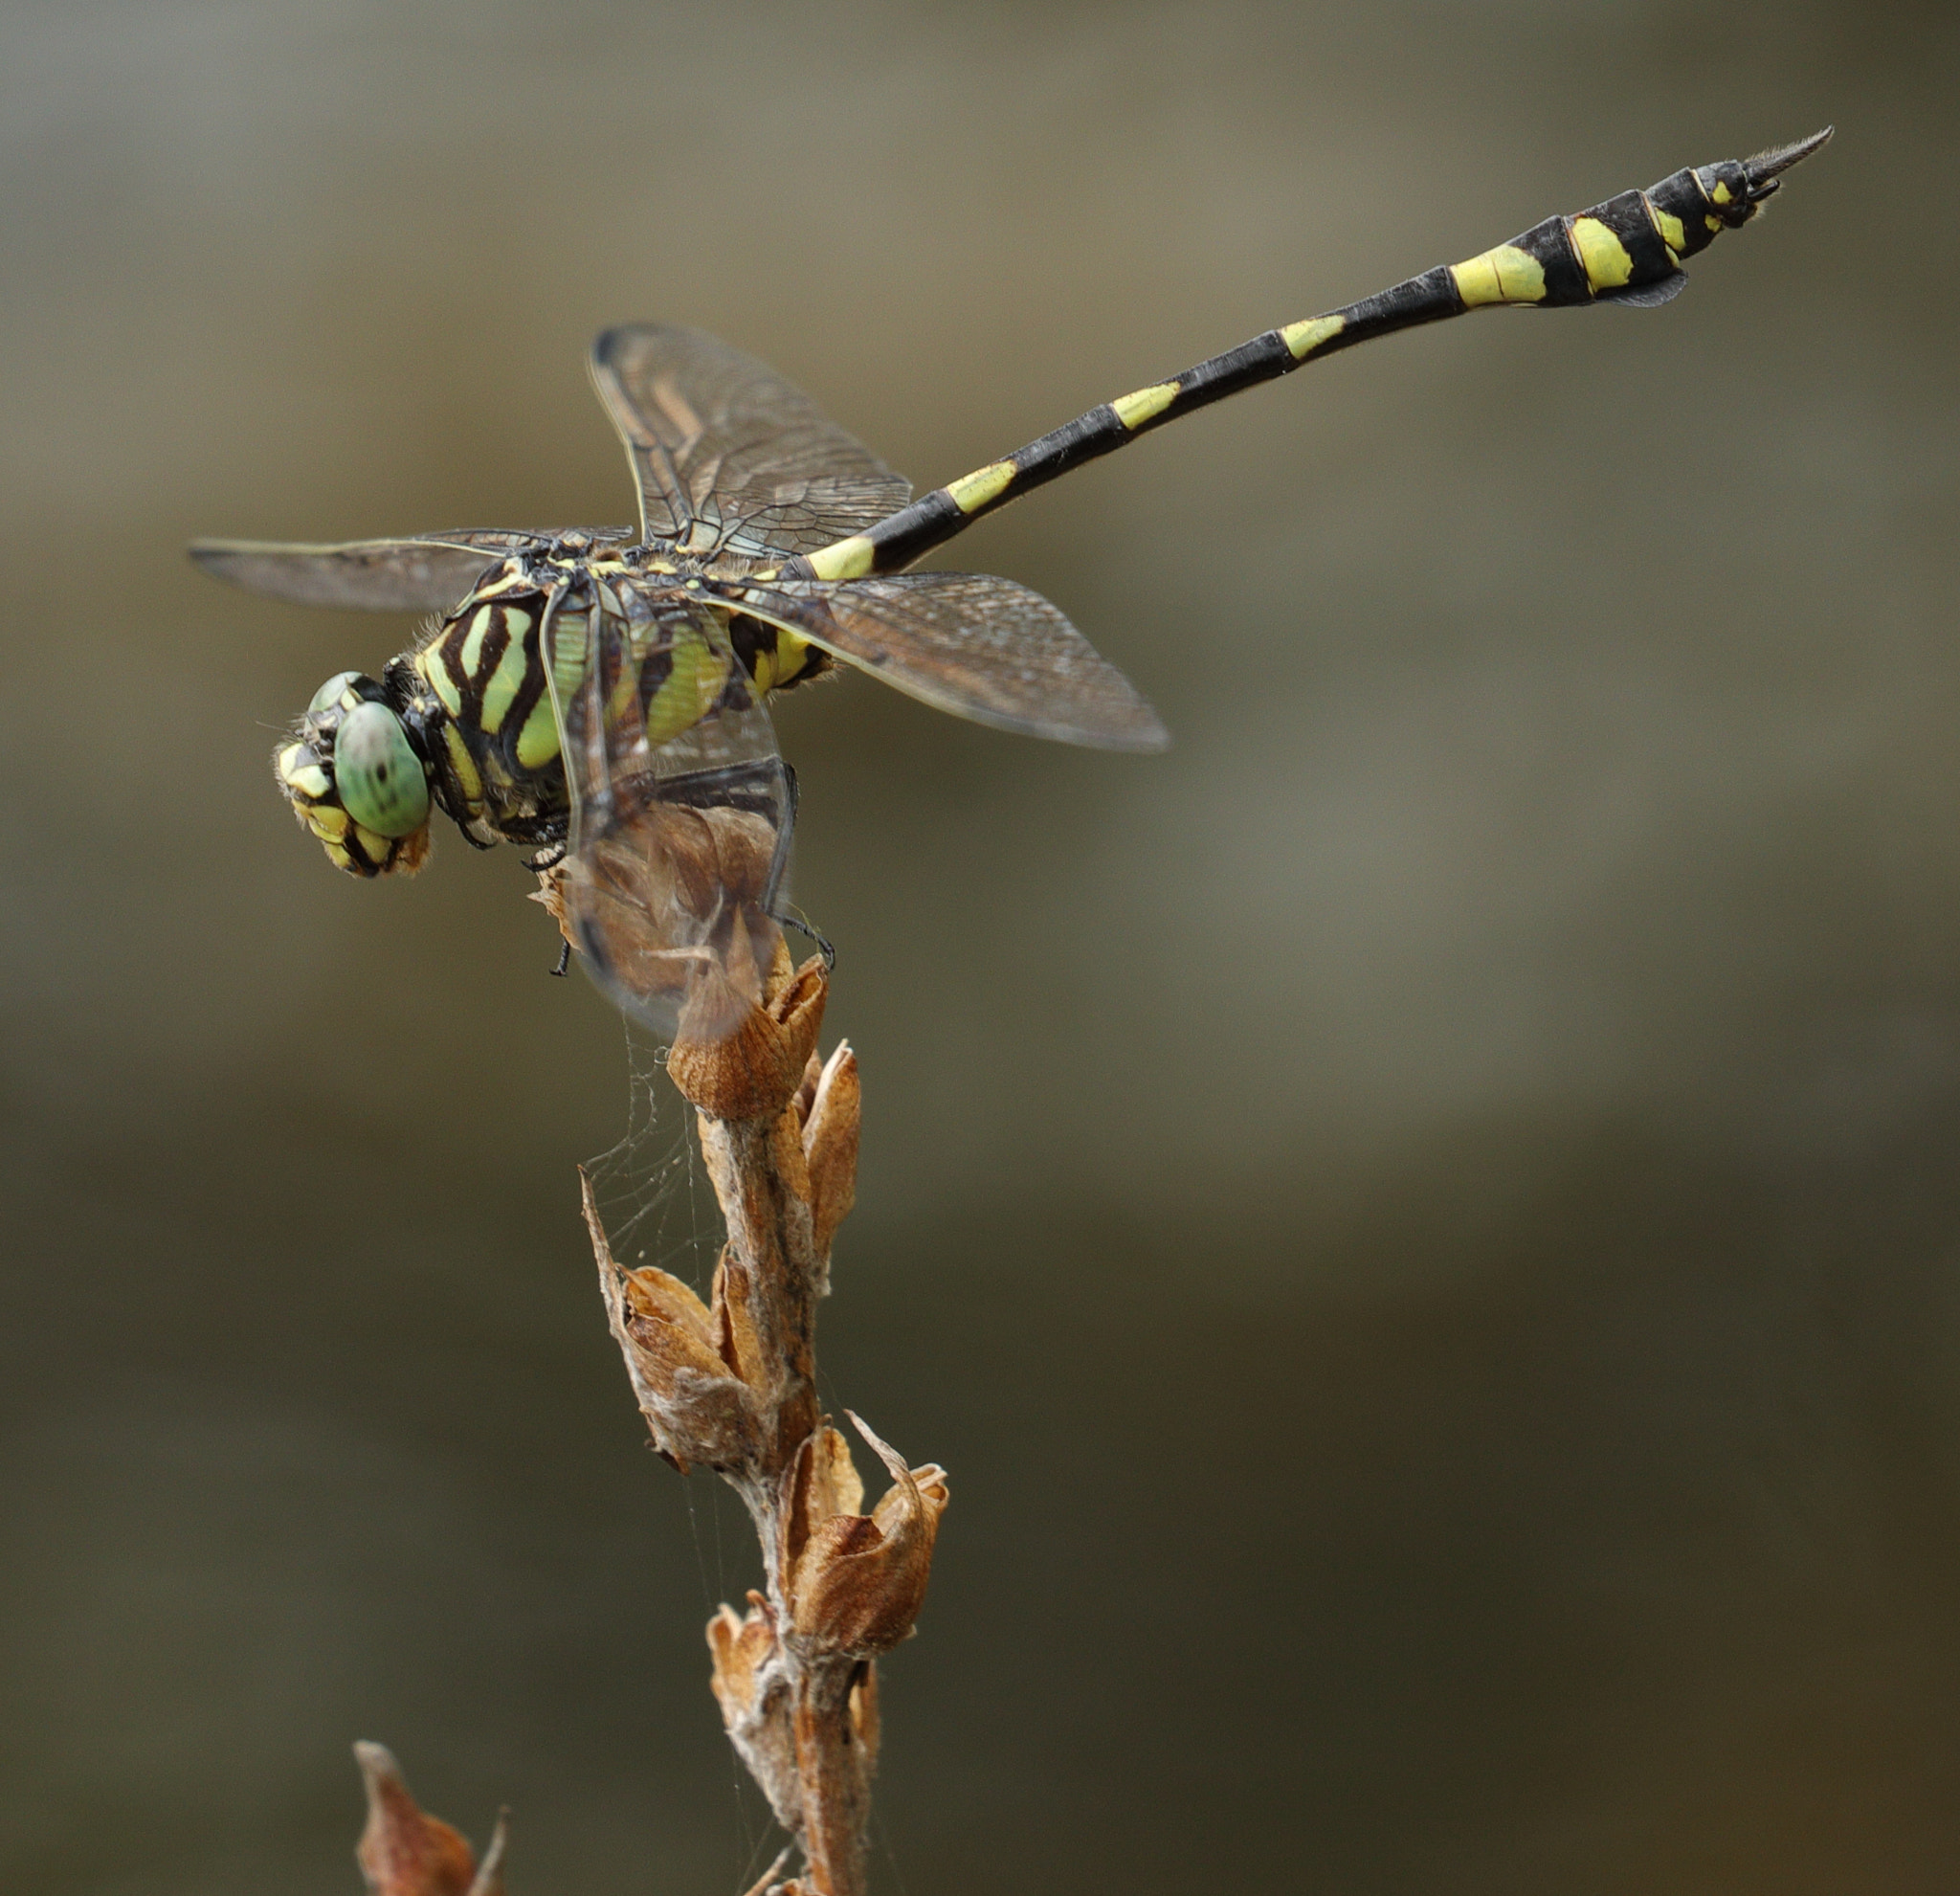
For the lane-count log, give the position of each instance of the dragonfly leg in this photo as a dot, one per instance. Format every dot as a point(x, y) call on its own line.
point(785, 835)
point(785, 918)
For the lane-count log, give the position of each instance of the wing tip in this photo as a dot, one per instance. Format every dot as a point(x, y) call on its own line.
point(1139, 730)
point(610, 340)
point(215, 557)
point(1147, 737)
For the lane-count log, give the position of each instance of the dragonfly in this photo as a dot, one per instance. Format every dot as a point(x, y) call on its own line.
point(599, 694)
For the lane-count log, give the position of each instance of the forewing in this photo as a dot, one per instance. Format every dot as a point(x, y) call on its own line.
point(425, 572)
point(974, 645)
point(728, 454)
point(681, 812)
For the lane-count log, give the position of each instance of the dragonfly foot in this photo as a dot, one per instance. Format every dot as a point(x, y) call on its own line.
point(803, 927)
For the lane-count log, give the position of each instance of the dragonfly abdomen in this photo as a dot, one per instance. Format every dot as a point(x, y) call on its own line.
point(774, 656)
point(1627, 250)
point(1630, 245)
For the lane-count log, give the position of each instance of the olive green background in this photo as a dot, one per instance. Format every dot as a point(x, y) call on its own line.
point(1424, 1222)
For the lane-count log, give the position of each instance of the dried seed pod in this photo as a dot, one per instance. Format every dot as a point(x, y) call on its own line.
point(757, 1703)
point(404, 1853)
point(823, 1484)
point(695, 1402)
point(830, 1145)
point(859, 1579)
point(740, 1646)
point(738, 1338)
point(549, 894)
point(753, 1071)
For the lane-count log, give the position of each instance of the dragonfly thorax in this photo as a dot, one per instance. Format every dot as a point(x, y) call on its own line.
point(475, 699)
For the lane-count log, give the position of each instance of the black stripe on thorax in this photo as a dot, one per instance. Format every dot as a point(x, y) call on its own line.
point(655, 668)
point(489, 656)
point(531, 687)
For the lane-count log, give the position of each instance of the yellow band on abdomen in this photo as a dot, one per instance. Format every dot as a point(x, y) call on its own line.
point(1303, 337)
point(1607, 263)
point(1504, 274)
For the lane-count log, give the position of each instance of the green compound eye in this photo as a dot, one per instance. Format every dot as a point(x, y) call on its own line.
point(330, 693)
point(378, 774)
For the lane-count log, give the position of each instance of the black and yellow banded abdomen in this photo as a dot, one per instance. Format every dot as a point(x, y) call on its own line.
point(1614, 250)
point(1627, 250)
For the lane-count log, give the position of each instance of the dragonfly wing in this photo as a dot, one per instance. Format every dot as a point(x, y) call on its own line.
point(681, 810)
point(728, 454)
point(425, 572)
point(974, 645)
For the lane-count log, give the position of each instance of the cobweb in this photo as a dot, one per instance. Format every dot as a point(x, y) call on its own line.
point(659, 1208)
point(652, 1192)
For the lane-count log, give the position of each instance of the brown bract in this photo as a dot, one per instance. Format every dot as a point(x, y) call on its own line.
point(856, 1581)
point(755, 1688)
point(749, 1069)
point(830, 1142)
point(404, 1853)
point(690, 1363)
point(667, 905)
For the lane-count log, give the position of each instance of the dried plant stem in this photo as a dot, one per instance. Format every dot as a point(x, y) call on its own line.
point(731, 1384)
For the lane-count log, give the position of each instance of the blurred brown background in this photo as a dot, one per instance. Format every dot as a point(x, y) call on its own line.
point(1424, 1222)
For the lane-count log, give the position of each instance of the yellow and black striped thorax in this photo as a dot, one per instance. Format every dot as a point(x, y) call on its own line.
point(477, 696)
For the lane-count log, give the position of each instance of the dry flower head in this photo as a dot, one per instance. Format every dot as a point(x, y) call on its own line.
point(403, 1852)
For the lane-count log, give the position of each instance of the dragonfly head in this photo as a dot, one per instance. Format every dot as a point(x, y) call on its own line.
point(355, 781)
